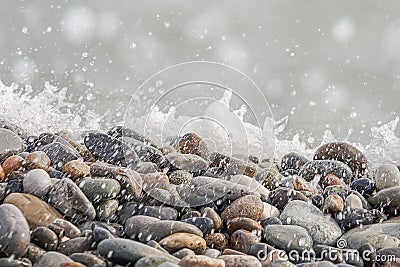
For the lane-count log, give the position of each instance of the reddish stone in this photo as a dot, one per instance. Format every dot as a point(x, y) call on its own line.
point(11, 164)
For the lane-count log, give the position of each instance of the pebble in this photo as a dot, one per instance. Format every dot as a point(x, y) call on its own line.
point(247, 206)
point(161, 229)
point(271, 221)
point(293, 161)
point(180, 177)
point(88, 259)
point(190, 214)
point(60, 154)
point(122, 131)
point(242, 240)
point(353, 201)
point(178, 241)
point(70, 230)
point(36, 211)
point(151, 261)
point(283, 195)
point(251, 184)
point(147, 167)
point(37, 182)
point(213, 215)
point(180, 254)
point(345, 153)
point(14, 186)
point(387, 198)
point(245, 224)
point(99, 189)
point(128, 250)
point(76, 169)
point(225, 166)
point(269, 211)
point(145, 151)
point(206, 225)
point(269, 177)
point(99, 234)
point(288, 237)
point(353, 217)
point(217, 241)
point(11, 143)
point(320, 168)
point(300, 184)
point(188, 162)
point(68, 198)
point(14, 231)
point(191, 143)
point(212, 253)
point(333, 204)
point(155, 180)
point(160, 212)
point(201, 261)
point(44, 238)
point(331, 179)
point(386, 176)
point(240, 260)
point(37, 160)
point(52, 259)
point(107, 209)
point(75, 245)
point(323, 229)
point(12, 163)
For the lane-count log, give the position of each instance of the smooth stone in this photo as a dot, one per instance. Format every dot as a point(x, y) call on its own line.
point(320, 168)
point(269, 211)
point(293, 161)
point(180, 177)
point(242, 240)
point(387, 198)
point(36, 211)
point(145, 151)
point(68, 198)
point(333, 204)
point(229, 251)
point(75, 245)
point(129, 250)
point(99, 234)
point(364, 186)
point(260, 250)
point(44, 238)
point(226, 166)
point(151, 261)
point(323, 229)
point(99, 189)
point(353, 217)
point(200, 260)
point(70, 230)
point(288, 237)
point(88, 259)
point(217, 241)
point(122, 131)
point(345, 153)
point(245, 224)
point(212, 253)
point(180, 254)
point(37, 182)
point(37, 160)
point(160, 212)
point(271, 221)
point(269, 177)
point(247, 206)
point(10, 144)
point(187, 162)
point(53, 259)
point(76, 169)
point(60, 154)
point(213, 215)
point(34, 253)
point(14, 231)
point(110, 150)
point(12, 163)
point(190, 214)
point(107, 209)
point(331, 179)
point(389, 255)
point(178, 241)
point(147, 167)
point(300, 184)
point(168, 264)
point(11, 262)
point(161, 229)
point(283, 195)
point(240, 260)
point(386, 176)
point(156, 245)
point(251, 183)
point(155, 180)
point(114, 228)
point(206, 225)
point(381, 235)
point(191, 143)
point(353, 202)
point(135, 223)
point(14, 186)
point(131, 183)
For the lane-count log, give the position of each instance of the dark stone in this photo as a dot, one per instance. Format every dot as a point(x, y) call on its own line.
point(364, 186)
point(317, 200)
point(353, 217)
point(321, 168)
point(368, 253)
point(293, 161)
point(145, 151)
point(45, 238)
point(60, 154)
point(88, 259)
point(345, 153)
point(203, 223)
point(100, 234)
point(75, 245)
point(385, 255)
point(14, 186)
point(226, 165)
point(271, 221)
point(163, 213)
point(121, 131)
point(283, 195)
point(110, 150)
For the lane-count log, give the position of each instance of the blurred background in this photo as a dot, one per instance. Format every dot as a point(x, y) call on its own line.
point(325, 65)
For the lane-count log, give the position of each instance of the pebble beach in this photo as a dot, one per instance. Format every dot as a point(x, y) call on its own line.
point(115, 198)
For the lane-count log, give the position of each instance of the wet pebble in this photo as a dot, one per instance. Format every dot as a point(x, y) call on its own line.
point(70, 230)
point(217, 241)
point(53, 259)
point(283, 195)
point(213, 215)
point(180, 254)
point(206, 225)
point(134, 224)
point(178, 241)
point(245, 224)
point(333, 204)
point(247, 206)
point(161, 229)
point(270, 178)
point(293, 161)
point(180, 177)
point(353, 201)
point(11, 164)
point(364, 186)
point(242, 240)
point(387, 176)
point(224, 166)
point(240, 260)
point(200, 260)
point(353, 217)
point(288, 237)
point(160, 212)
point(37, 182)
point(188, 162)
point(107, 209)
point(191, 143)
point(45, 238)
point(320, 168)
point(11, 143)
point(75, 245)
point(76, 169)
point(88, 259)
point(37, 160)
point(99, 189)
point(60, 154)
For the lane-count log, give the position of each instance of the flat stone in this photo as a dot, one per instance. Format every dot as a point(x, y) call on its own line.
point(240, 260)
point(88, 259)
point(155, 180)
point(178, 241)
point(36, 211)
point(127, 250)
point(323, 229)
point(386, 176)
point(180, 254)
point(45, 238)
point(60, 154)
point(247, 206)
point(242, 240)
point(187, 162)
point(37, 182)
point(288, 237)
point(206, 225)
point(10, 144)
point(200, 260)
point(76, 169)
point(53, 259)
point(14, 231)
point(70, 230)
point(160, 212)
point(245, 224)
point(99, 189)
point(320, 168)
point(161, 229)
point(269, 211)
point(226, 166)
point(37, 160)
point(151, 261)
point(68, 198)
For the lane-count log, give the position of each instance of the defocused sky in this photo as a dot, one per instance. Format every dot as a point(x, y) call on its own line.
point(332, 64)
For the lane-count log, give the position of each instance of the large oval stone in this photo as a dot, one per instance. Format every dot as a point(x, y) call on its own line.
point(288, 237)
point(178, 241)
point(159, 230)
point(60, 154)
point(320, 168)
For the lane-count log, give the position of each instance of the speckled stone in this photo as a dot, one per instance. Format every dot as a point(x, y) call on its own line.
point(242, 240)
point(11, 164)
point(107, 209)
point(180, 177)
point(364, 186)
point(300, 184)
point(353, 217)
point(180, 254)
point(37, 160)
point(245, 224)
point(270, 178)
point(191, 143)
point(187, 162)
point(333, 204)
point(206, 225)
point(386, 176)
point(283, 195)
point(60, 154)
point(321, 168)
point(178, 241)
point(293, 161)
point(70, 230)
point(76, 169)
point(224, 166)
point(247, 206)
point(217, 241)
point(99, 189)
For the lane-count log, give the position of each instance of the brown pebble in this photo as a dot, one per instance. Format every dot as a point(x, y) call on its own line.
point(333, 204)
point(242, 240)
point(167, 149)
point(247, 206)
point(77, 169)
point(178, 241)
point(331, 179)
point(72, 264)
point(217, 241)
point(11, 164)
point(191, 143)
point(245, 224)
point(301, 184)
point(201, 261)
point(37, 160)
